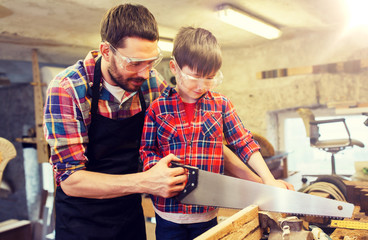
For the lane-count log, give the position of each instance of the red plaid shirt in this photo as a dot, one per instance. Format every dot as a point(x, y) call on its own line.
point(67, 114)
point(199, 144)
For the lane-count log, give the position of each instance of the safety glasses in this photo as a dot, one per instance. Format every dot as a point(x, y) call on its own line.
point(136, 64)
point(206, 83)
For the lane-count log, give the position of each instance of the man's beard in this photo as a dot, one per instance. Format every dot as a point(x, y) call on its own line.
point(123, 83)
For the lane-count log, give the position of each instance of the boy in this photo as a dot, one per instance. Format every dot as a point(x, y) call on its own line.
point(189, 121)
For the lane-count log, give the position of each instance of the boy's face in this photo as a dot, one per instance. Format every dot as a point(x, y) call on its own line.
point(191, 85)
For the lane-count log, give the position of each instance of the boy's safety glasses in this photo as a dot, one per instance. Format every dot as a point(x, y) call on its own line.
point(136, 64)
point(205, 83)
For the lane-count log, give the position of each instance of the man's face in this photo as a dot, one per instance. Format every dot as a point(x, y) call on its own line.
point(129, 67)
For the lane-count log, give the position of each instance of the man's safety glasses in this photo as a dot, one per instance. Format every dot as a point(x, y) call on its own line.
point(136, 64)
point(206, 83)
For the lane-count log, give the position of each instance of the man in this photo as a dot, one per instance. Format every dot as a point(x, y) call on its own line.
point(94, 116)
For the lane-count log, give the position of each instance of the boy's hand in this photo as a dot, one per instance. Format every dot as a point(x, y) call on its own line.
point(164, 181)
point(281, 184)
point(288, 186)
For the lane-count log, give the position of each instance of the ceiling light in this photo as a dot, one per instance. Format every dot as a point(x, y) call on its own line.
point(243, 20)
point(166, 45)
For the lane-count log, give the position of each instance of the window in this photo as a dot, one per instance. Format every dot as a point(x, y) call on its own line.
point(309, 160)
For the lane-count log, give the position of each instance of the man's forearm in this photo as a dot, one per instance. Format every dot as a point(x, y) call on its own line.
point(100, 185)
point(160, 180)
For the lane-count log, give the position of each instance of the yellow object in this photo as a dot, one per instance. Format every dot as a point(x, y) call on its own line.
point(349, 224)
point(7, 153)
point(267, 149)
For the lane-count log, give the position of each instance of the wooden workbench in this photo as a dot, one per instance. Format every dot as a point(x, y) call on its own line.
point(356, 234)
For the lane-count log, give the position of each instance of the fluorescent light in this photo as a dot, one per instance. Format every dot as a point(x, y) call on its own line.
point(247, 22)
point(166, 45)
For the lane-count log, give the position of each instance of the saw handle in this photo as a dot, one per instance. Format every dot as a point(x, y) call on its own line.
point(192, 179)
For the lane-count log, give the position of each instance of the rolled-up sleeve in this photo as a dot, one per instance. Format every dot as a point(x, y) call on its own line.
point(237, 136)
point(65, 132)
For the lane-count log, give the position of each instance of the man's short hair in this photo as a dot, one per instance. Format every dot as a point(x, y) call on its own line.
point(128, 20)
point(198, 49)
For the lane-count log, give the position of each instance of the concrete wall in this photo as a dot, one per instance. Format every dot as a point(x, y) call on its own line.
point(17, 116)
point(258, 101)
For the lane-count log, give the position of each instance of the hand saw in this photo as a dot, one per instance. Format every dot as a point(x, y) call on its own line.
point(212, 189)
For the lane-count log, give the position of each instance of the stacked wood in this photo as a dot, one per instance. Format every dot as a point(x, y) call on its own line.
point(242, 225)
point(357, 193)
point(353, 189)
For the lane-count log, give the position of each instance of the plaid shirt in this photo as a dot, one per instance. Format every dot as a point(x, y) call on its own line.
point(67, 115)
point(199, 144)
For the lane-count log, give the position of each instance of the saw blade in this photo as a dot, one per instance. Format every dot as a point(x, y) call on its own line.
point(224, 191)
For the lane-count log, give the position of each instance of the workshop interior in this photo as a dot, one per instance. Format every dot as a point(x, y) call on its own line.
point(296, 72)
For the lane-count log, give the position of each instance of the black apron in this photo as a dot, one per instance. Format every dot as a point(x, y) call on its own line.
point(113, 148)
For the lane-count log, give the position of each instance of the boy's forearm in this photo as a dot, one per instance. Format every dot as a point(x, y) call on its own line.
point(236, 168)
point(259, 165)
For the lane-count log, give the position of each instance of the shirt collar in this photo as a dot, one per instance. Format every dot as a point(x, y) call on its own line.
point(89, 63)
point(170, 92)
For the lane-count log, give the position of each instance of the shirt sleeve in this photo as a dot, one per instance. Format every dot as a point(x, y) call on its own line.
point(236, 135)
point(65, 132)
point(149, 151)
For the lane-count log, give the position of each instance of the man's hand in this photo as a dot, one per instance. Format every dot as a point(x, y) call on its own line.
point(163, 181)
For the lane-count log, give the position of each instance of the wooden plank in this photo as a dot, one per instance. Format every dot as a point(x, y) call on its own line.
point(353, 66)
point(242, 225)
point(42, 147)
point(12, 224)
point(148, 207)
point(15, 229)
point(300, 70)
point(227, 212)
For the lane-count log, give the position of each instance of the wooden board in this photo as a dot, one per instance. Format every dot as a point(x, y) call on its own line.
point(354, 66)
point(42, 147)
point(15, 229)
point(242, 225)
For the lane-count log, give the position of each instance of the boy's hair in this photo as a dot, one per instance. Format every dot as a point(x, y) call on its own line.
point(127, 20)
point(198, 49)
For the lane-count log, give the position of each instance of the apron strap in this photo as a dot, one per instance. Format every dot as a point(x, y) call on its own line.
point(96, 87)
point(141, 99)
